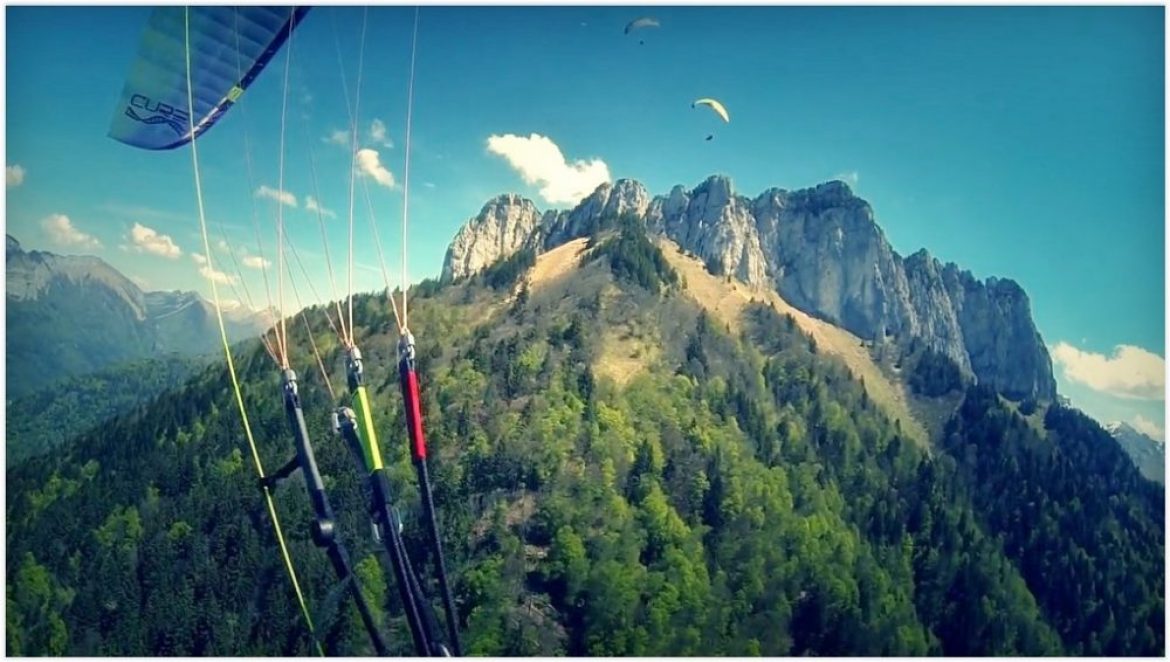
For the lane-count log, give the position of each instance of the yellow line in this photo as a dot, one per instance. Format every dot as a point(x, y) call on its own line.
point(227, 347)
point(361, 401)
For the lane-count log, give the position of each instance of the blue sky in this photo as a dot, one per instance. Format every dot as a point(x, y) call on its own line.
point(1018, 142)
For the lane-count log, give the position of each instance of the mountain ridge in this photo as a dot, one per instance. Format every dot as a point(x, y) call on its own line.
point(1146, 452)
point(71, 315)
point(820, 248)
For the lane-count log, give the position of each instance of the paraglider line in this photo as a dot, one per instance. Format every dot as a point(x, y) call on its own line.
point(228, 354)
point(280, 210)
point(353, 129)
point(381, 255)
point(325, 243)
point(406, 167)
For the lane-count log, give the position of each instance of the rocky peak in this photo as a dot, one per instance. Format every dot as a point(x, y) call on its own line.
point(773, 197)
point(29, 274)
point(715, 223)
point(1004, 346)
point(921, 259)
point(827, 255)
point(835, 192)
point(672, 206)
point(623, 197)
point(1117, 427)
point(628, 195)
point(715, 191)
point(500, 229)
point(1007, 290)
point(820, 248)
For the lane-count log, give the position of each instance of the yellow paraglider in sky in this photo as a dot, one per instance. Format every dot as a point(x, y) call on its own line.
point(714, 105)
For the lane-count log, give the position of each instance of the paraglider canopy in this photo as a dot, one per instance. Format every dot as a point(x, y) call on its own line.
point(713, 105)
point(643, 22)
point(229, 46)
point(640, 23)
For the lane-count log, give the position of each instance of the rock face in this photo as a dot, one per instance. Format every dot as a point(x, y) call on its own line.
point(995, 318)
point(501, 228)
point(29, 274)
point(820, 248)
point(714, 223)
point(826, 255)
point(625, 196)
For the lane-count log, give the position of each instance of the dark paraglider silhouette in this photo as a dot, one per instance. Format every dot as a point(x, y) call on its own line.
point(641, 23)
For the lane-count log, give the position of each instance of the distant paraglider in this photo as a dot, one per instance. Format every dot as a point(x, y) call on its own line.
point(717, 107)
point(713, 105)
point(641, 23)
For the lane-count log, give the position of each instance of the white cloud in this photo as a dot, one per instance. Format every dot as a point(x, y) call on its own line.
point(283, 197)
point(222, 245)
point(311, 204)
point(851, 178)
point(211, 273)
point(339, 137)
point(429, 184)
point(13, 176)
point(148, 240)
point(1148, 428)
point(255, 262)
point(540, 161)
point(62, 231)
point(378, 133)
point(1131, 372)
point(216, 275)
point(370, 165)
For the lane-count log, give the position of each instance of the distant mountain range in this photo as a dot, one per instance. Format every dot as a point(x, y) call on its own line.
point(73, 315)
point(1148, 454)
